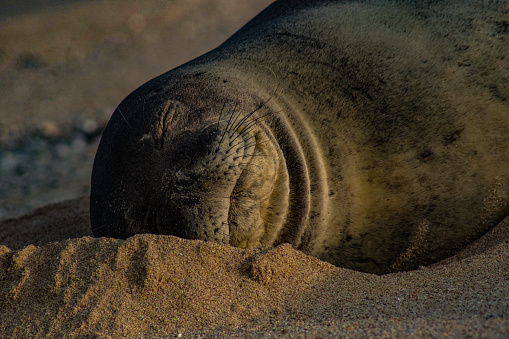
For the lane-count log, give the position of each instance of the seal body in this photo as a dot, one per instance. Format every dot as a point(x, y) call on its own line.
point(370, 134)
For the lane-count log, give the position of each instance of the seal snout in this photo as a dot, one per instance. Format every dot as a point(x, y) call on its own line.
point(219, 184)
point(198, 186)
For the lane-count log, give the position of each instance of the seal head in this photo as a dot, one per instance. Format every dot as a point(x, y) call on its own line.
point(206, 167)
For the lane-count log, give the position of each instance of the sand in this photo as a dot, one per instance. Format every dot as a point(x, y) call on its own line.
point(62, 71)
point(71, 285)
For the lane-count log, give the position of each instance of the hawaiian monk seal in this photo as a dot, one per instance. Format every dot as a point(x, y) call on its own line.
point(370, 134)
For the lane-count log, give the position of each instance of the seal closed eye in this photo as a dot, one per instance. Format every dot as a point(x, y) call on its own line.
point(353, 130)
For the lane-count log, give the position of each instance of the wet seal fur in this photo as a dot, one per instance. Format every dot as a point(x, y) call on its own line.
point(370, 134)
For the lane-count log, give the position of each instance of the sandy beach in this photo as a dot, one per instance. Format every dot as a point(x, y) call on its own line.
point(152, 286)
point(63, 69)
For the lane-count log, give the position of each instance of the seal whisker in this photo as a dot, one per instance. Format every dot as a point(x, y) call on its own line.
point(246, 169)
point(249, 127)
point(252, 112)
point(256, 152)
point(240, 142)
point(256, 119)
point(259, 155)
point(252, 155)
point(274, 74)
point(234, 123)
point(241, 134)
point(245, 131)
point(246, 117)
point(249, 164)
point(99, 227)
point(251, 124)
point(251, 172)
point(249, 145)
point(220, 114)
point(123, 117)
point(228, 124)
point(226, 129)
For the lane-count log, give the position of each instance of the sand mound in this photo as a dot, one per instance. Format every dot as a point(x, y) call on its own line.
point(153, 286)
